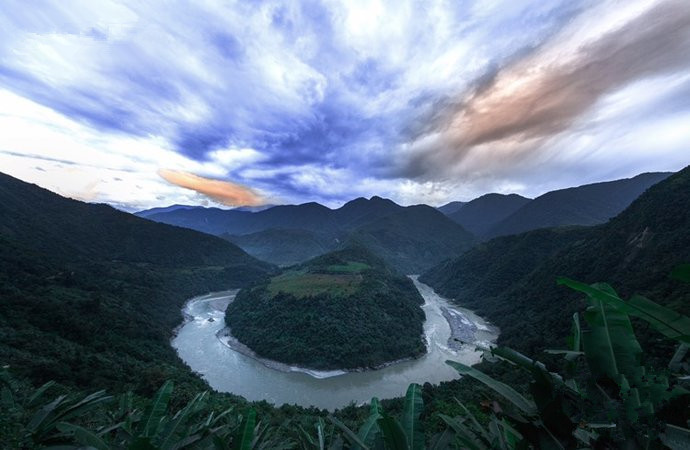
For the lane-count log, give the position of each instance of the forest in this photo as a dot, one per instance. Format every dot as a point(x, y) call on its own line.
point(342, 310)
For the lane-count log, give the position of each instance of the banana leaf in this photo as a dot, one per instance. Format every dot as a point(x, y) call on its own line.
point(156, 410)
point(411, 424)
point(502, 389)
point(668, 322)
point(245, 434)
point(393, 433)
point(611, 347)
point(370, 429)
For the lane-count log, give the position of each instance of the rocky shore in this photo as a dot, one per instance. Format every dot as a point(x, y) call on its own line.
point(462, 329)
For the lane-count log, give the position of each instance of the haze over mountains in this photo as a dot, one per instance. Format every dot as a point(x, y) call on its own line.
point(412, 238)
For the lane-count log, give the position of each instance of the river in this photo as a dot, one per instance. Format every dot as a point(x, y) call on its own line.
point(200, 344)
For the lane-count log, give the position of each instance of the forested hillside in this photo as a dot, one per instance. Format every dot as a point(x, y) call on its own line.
point(590, 204)
point(91, 295)
point(482, 213)
point(342, 310)
point(411, 239)
point(635, 252)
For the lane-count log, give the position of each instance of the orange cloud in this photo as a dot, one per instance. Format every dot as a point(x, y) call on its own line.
point(225, 192)
point(511, 115)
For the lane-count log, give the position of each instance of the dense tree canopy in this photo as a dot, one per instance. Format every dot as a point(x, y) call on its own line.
point(342, 310)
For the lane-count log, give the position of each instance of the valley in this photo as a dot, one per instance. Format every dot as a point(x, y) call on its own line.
point(203, 343)
point(92, 298)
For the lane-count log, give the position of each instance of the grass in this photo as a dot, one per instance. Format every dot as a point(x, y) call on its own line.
point(350, 267)
point(304, 284)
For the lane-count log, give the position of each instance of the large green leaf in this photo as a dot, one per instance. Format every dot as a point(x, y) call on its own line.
point(393, 433)
point(610, 345)
point(370, 429)
point(469, 437)
point(245, 434)
point(668, 322)
point(476, 426)
point(349, 434)
point(411, 424)
point(83, 436)
point(156, 410)
point(41, 417)
point(81, 406)
point(168, 436)
point(36, 396)
point(502, 389)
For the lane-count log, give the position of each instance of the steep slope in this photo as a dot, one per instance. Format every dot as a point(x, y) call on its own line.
point(413, 239)
point(480, 214)
point(90, 295)
point(489, 268)
point(635, 252)
point(345, 309)
point(590, 204)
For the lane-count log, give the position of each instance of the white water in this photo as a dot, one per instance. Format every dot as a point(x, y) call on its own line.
point(227, 370)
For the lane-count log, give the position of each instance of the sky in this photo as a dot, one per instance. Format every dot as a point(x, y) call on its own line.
point(248, 103)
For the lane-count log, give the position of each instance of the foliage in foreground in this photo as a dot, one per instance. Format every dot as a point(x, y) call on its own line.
point(603, 398)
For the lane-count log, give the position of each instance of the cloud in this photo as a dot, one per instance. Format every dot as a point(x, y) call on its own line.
point(520, 107)
point(225, 192)
point(328, 100)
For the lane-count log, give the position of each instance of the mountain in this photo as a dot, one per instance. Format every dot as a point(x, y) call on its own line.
point(342, 310)
point(308, 216)
point(91, 295)
point(413, 239)
point(149, 212)
point(480, 214)
point(489, 268)
point(451, 207)
point(511, 280)
point(590, 204)
point(361, 211)
point(283, 247)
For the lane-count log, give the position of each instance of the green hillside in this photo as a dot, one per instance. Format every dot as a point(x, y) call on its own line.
point(414, 239)
point(411, 239)
point(345, 309)
point(590, 204)
point(480, 214)
point(511, 280)
point(91, 295)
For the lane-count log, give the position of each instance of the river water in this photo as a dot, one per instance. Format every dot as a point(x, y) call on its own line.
point(200, 344)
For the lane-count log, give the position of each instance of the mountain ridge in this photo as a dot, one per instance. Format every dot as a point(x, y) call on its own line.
point(635, 252)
